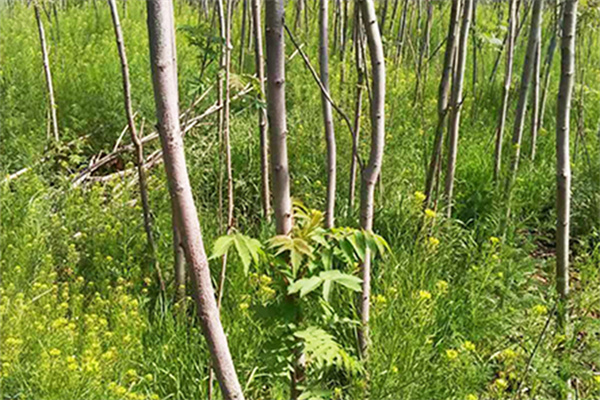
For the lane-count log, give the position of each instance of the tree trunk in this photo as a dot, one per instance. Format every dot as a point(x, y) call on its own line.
point(164, 79)
point(456, 104)
point(262, 115)
point(532, 44)
point(373, 167)
point(327, 114)
point(276, 111)
point(510, 38)
point(443, 98)
point(563, 164)
point(139, 150)
point(535, 98)
point(47, 73)
point(360, 72)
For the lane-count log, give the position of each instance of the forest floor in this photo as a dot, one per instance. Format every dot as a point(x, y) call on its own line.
point(458, 305)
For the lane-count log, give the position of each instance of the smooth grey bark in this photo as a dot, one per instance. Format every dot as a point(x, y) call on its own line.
point(276, 112)
point(47, 73)
point(164, 80)
point(443, 99)
point(528, 66)
point(547, 68)
point(135, 138)
point(456, 104)
point(262, 114)
point(360, 72)
point(563, 164)
point(370, 173)
point(510, 38)
point(327, 113)
point(535, 98)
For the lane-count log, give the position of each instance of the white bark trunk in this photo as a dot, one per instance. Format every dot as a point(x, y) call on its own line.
point(47, 73)
point(164, 79)
point(456, 104)
point(262, 114)
point(373, 167)
point(510, 38)
point(276, 111)
point(327, 113)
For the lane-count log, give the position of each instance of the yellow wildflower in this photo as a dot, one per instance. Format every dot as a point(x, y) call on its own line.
point(433, 241)
point(244, 306)
point(424, 295)
point(540, 309)
point(451, 354)
point(54, 352)
point(494, 240)
point(379, 300)
point(471, 397)
point(468, 345)
point(429, 213)
point(501, 384)
point(420, 196)
point(442, 286)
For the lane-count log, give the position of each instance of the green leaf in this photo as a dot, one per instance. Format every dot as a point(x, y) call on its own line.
point(305, 286)
point(221, 246)
point(326, 289)
point(243, 252)
point(350, 281)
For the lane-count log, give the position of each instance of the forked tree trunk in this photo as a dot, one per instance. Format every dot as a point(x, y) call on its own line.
point(276, 111)
point(456, 105)
point(443, 99)
point(262, 114)
point(532, 45)
point(510, 38)
point(327, 113)
point(47, 73)
point(371, 171)
point(139, 150)
point(164, 79)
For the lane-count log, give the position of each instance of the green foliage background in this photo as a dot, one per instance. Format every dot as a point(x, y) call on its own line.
point(456, 310)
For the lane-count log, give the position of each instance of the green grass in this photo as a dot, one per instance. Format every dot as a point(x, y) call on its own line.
point(456, 312)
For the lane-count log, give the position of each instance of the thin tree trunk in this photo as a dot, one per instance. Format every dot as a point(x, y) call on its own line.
point(456, 105)
point(243, 34)
point(299, 9)
point(226, 67)
point(510, 37)
point(360, 72)
point(528, 66)
point(563, 169)
point(139, 150)
point(563, 165)
point(327, 114)
point(276, 112)
point(47, 73)
point(373, 167)
point(164, 79)
point(535, 98)
point(383, 14)
point(262, 114)
point(547, 68)
point(443, 99)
